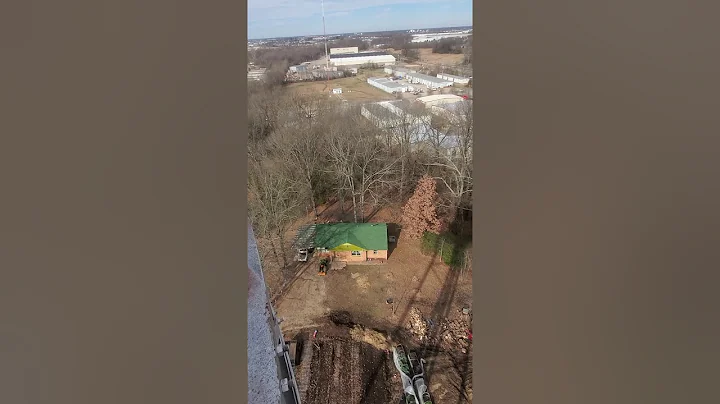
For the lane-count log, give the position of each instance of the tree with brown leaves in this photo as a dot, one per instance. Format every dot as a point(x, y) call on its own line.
point(420, 212)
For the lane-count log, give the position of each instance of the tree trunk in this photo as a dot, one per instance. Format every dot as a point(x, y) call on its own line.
point(402, 176)
point(312, 198)
point(341, 198)
point(362, 208)
point(442, 244)
point(354, 201)
point(283, 251)
point(274, 251)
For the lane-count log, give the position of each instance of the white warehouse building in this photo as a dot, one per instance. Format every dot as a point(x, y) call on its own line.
point(351, 49)
point(454, 79)
point(429, 81)
point(345, 59)
point(399, 71)
point(387, 85)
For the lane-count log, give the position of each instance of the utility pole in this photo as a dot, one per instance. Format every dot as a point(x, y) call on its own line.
point(327, 58)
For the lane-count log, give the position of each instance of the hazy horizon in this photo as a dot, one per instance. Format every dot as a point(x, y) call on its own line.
point(284, 18)
point(355, 32)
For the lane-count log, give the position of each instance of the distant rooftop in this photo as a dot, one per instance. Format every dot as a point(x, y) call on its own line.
point(454, 76)
point(428, 78)
point(357, 55)
point(386, 82)
point(440, 97)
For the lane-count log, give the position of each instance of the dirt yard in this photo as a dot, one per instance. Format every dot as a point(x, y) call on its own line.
point(380, 305)
point(354, 372)
point(355, 89)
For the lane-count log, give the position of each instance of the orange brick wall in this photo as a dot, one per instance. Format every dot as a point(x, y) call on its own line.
point(364, 255)
point(347, 256)
point(381, 254)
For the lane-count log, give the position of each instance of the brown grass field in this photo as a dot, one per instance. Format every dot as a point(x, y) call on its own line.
point(426, 56)
point(355, 89)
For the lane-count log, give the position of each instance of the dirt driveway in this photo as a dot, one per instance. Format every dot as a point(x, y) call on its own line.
point(305, 302)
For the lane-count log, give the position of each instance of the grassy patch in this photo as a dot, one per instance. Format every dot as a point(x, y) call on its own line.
point(448, 245)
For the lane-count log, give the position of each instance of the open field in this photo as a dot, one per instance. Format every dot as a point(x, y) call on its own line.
point(355, 89)
point(427, 56)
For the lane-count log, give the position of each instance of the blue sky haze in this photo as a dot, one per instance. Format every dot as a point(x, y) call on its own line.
point(281, 18)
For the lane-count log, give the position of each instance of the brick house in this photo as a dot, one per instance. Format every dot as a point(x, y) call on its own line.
point(352, 242)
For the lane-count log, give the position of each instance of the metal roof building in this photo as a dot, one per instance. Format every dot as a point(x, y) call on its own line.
point(430, 81)
point(387, 85)
point(439, 99)
point(344, 59)
point(397, 115)
point(454, 79)
point(399, 71)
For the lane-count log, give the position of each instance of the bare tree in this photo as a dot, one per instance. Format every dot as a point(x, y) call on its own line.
point(274, 204)
point(361, 163)
point(307, 108)
point(264, 111)
point(437, 132)
point(301, 149)
point(407, 131)
point(467, 50)
point(402, 124)
point(456, 162)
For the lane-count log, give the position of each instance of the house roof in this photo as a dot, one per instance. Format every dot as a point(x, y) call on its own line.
point(368, 236)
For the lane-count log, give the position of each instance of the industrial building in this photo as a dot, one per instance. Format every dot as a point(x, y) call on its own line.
point(399, 71)
point(440, 99)
point(379, 58)
point(394, 114)
point(351, 49)
point(256, 74)
point(429, 81)
point(443, 104)
point(454, 79)
point(387, 85)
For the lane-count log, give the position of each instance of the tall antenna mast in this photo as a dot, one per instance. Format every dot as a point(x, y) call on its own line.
point(327, 58)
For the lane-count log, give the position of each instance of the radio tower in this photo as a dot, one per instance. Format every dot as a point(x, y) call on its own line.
point(327, 58)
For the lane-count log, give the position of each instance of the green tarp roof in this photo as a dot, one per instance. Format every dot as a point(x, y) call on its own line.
point(369, 236)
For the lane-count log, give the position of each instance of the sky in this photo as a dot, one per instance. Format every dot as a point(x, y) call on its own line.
point(282, 18)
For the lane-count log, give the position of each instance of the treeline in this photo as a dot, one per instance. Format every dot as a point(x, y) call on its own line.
point(306, 149)
point(448, 45)
point(289, 55)
point(409, 50)
point(349, 42)
point(295, 55)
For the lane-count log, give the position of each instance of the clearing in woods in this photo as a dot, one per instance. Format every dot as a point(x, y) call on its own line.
point(356, 324)
point(354, 88)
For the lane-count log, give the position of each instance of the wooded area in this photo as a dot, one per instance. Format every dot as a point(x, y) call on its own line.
point(306, 149)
